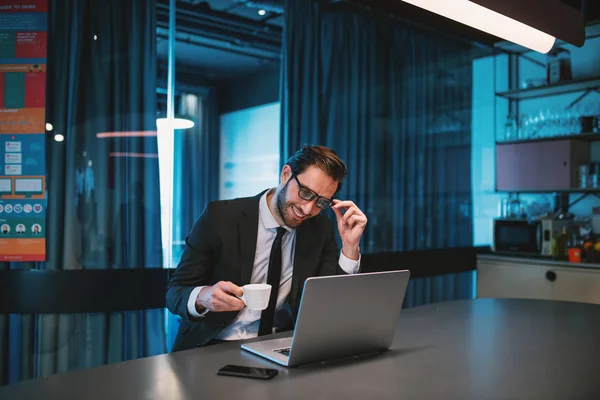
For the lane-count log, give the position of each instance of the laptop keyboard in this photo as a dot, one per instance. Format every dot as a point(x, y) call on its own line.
point(285, 351)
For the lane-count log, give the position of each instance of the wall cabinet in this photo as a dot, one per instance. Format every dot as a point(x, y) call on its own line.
point(504, 277)
point(541, 165)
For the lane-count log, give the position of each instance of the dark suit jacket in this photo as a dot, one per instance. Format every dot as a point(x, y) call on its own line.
point(221, 247)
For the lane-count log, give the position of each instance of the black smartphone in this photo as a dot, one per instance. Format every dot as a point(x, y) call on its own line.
point(247, 372)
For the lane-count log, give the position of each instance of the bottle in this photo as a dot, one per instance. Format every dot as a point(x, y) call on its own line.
point(514, 207)
point(522, 212)
point(503, 207)
point(574, 250)
point(561, 244)
point(554, 248)
point(510, 128)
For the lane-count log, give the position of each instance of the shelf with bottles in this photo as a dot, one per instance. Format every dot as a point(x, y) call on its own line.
point(556, 77)
point(581, 123)
point(558, 193)
point(553, 89)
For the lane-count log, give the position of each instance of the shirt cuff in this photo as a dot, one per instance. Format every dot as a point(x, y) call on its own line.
point(191, 304)
point(349, 266)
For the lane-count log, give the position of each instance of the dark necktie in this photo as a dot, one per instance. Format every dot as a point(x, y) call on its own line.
point(273, 278)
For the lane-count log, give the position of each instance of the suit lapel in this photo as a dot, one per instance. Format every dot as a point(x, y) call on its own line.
point(248, 231)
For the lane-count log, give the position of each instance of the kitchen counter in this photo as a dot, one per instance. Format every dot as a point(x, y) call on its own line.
point(536, 260)
point(523, 277)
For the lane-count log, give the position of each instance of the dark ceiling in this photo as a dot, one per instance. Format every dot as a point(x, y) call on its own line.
point(223, 39)
point(220, 39)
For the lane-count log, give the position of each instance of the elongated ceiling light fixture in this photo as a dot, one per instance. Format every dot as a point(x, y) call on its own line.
point(178, 123)
point(489, 21)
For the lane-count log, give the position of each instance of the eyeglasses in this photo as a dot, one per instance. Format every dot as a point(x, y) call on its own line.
point(309, 195)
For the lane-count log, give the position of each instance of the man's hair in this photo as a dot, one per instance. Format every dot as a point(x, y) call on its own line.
point(321, 157)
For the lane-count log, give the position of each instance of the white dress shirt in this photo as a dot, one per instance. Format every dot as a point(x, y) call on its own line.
point(245, 326)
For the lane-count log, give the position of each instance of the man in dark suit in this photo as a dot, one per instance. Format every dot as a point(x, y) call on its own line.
point(276, 237)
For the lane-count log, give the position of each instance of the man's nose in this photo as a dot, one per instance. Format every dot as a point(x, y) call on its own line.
point(309, 207)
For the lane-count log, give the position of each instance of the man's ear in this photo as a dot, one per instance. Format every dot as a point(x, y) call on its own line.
point(286, 174)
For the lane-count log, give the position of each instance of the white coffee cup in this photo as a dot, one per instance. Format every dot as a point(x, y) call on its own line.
point(256, 296)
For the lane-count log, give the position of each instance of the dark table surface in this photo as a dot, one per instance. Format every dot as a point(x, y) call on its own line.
point(475, 349)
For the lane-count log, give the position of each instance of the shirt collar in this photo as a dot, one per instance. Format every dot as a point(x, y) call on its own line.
point(267, 219)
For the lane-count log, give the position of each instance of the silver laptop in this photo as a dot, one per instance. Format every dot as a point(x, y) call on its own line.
point(340, 316)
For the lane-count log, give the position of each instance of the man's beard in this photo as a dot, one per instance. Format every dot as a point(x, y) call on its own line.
point(284, 208)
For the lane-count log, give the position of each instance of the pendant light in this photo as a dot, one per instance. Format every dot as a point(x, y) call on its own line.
point(177, 122)
point(532, 24)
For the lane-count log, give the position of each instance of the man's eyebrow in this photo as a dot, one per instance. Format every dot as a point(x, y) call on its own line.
point(325, 197)
point(314, 191)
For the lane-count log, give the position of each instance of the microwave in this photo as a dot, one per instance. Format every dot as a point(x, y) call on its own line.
point(518, 236)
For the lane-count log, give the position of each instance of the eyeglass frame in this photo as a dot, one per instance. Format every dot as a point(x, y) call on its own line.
point(314, 195)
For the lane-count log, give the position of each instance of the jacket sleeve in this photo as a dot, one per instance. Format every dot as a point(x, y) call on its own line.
point(196, 266)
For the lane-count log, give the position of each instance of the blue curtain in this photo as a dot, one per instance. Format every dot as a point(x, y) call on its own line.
point(196, 170)
point(395, 103)
point(103, 190)
point(195, 173)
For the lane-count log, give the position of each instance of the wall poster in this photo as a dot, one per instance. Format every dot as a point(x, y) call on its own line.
point(23, 200)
